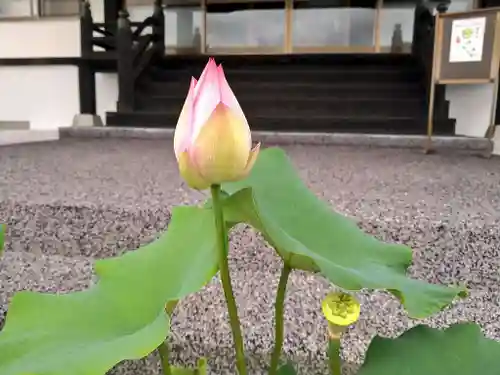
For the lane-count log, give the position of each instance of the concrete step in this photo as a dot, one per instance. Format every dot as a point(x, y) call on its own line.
point(293, 122)
point(297, 90)
point(312, 61)
point(11, 137)
point(14, 125)
point(466, 145)
point(374, 75)
point(274, 106)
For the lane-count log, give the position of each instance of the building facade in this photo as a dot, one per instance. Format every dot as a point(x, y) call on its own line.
point(260, 26)
point(48, 70)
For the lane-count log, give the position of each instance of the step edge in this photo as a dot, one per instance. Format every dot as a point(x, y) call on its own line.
point(481, 145)
point(308, 99)
point(309, 117)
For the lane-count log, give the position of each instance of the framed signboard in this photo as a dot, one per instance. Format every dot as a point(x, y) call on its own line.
point(466, 51)
point(468, 47)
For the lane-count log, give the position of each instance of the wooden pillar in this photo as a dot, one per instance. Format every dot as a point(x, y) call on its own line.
point(86, 74)
point(159, 27)
point(125, 62)
point(111, 11)
point(86, 84)
point(86, 29)
point(288, 47)
point(439, 102)
point(377, 24)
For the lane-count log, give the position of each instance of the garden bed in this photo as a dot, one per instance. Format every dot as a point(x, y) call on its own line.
point(69, 202)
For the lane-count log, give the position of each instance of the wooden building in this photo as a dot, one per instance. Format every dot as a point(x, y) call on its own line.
point(295, 65)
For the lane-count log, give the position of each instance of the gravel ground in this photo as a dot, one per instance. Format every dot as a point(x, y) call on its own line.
point(69, 202)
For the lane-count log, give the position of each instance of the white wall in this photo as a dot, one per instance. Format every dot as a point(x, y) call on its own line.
point(40, 38)
point(106, 93)
point(97, 7)
point(496, 141)
point(46, 96)
point(312, 27)
point(54, 100)
point(471, 106)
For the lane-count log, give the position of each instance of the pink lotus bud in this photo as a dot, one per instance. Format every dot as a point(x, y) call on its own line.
point(212, 140)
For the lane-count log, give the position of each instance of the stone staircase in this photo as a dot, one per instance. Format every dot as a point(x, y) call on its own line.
point(371, 93)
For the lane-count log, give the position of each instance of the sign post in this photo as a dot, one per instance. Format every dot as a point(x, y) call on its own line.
point(466, 51)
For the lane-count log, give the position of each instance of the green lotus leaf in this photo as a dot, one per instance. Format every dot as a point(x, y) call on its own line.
point(461, 349)
point(309, 235)
point(122, 316)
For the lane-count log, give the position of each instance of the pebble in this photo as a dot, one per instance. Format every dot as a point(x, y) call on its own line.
point(73, 201)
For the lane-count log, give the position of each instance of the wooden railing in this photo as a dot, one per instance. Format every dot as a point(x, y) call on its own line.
point(423, 46)
point(86, 30)
point(95, 34)
point(104, 36)
point(137, 46)
point(134, 45)
point(423, 35)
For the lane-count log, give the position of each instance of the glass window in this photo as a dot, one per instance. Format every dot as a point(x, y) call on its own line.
point(184, 28)
point(245, 27)
point(334, 25)
point(59, 8)
point(396, 23)
point(461, 5)
point(396, 26)
point(17, 8)
point(38, 8)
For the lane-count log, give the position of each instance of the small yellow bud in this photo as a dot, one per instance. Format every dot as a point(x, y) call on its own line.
point(341, 310)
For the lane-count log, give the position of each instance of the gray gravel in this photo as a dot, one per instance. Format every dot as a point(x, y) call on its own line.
point(71, 201)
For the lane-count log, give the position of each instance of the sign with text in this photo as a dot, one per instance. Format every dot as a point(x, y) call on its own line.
point(466, 47)
point(467, 40)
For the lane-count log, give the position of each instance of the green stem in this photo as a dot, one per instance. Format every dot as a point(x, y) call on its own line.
point(334, 362)
point(223, 246)
point(164, 349)
point(278, 319)
point(164, 356)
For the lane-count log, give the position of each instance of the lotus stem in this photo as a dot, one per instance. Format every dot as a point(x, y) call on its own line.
point(223, 247)
point(201, 367)
point(164, 349)
point(279, 319)
point(334, 362)
point(164, 352)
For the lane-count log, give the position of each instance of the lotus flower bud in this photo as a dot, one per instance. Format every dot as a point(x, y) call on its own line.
point(212, 140)
point(341, 310)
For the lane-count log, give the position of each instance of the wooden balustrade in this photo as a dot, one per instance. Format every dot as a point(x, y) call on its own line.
point(135, 51)
point(86, 29)
point(423, 47)
point(134, 45)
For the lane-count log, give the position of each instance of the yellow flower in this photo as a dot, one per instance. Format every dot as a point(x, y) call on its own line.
point(212, 140)
point(341, 310)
